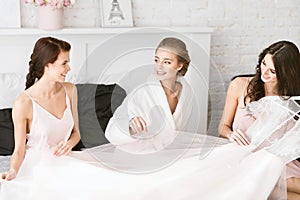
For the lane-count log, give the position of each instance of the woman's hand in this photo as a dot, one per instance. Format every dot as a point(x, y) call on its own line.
point(239, 137)
point(63, 148)
point(10, 175)
point(137, 125)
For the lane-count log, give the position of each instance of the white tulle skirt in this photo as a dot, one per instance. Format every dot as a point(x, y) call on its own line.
point(219, 171)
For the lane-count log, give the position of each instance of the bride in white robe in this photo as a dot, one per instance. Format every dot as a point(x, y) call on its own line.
point(150, 102)
point(163, 103)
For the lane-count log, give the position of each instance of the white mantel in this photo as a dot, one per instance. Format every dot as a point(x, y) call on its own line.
point(74, 31)
point(118, 50)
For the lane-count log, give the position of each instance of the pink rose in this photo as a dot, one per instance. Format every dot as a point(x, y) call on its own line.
point(67, 3)
point(40, 2)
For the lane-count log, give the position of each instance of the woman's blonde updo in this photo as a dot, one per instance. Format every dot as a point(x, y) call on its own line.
point(177, 47)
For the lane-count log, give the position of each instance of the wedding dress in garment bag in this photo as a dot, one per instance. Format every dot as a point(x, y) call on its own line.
point(201, 167)
point(227, 171)
point(209, 168)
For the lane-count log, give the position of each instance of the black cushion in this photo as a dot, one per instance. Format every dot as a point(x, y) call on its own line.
point(107, 99)
point(242, 75)
point(96, 105)
point(6, 132)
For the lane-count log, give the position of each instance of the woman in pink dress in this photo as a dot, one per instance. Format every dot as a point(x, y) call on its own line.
point(278, 72)
point(45, 114)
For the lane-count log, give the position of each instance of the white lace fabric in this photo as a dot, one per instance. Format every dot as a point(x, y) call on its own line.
point(277, 128)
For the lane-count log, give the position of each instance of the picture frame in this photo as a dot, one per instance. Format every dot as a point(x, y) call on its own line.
point(116, 13)
point(10, 14)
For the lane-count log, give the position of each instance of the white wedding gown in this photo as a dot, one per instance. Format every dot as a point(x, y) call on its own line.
point(194, 166)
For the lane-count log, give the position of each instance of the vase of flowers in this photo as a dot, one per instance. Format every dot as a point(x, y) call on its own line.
point(50, 12)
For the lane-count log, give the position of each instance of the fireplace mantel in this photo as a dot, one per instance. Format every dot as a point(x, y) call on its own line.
point(89, 31)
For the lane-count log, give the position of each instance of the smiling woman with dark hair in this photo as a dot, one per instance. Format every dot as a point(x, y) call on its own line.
point(44, 115)
point(46, 94)
point(277, 74)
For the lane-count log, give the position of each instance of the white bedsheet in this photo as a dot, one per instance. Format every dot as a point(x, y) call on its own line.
point(4, 164)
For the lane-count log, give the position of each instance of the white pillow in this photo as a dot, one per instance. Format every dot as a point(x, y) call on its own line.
point(11, 86)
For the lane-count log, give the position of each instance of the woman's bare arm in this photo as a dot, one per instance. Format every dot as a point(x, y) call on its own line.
point(231, 104)
point(20, 115)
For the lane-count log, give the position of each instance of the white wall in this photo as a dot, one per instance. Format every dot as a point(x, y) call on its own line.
point(242, 28)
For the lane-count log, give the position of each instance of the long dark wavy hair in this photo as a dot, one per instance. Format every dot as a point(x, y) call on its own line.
point(46, 50)
point(286, 59)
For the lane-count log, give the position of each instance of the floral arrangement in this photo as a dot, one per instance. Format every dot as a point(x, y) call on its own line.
point(53, 3)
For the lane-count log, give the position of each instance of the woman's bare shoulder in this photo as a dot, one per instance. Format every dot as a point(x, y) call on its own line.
point(23, 102)
point(68, 85)
point(70, 88)
point(240, 82)
point(237, 86)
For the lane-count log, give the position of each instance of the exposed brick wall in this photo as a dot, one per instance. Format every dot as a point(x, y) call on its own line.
point(242, 28)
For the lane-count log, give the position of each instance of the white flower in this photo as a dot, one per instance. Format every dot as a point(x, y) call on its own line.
point(29, 1)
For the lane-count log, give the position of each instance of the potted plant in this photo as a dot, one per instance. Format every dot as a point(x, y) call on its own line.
point(50, 12)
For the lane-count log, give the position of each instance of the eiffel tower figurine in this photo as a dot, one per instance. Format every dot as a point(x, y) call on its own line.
point(115, 13)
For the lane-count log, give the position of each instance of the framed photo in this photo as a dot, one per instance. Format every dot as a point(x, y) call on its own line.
point(10, 14)
point(116, 13)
